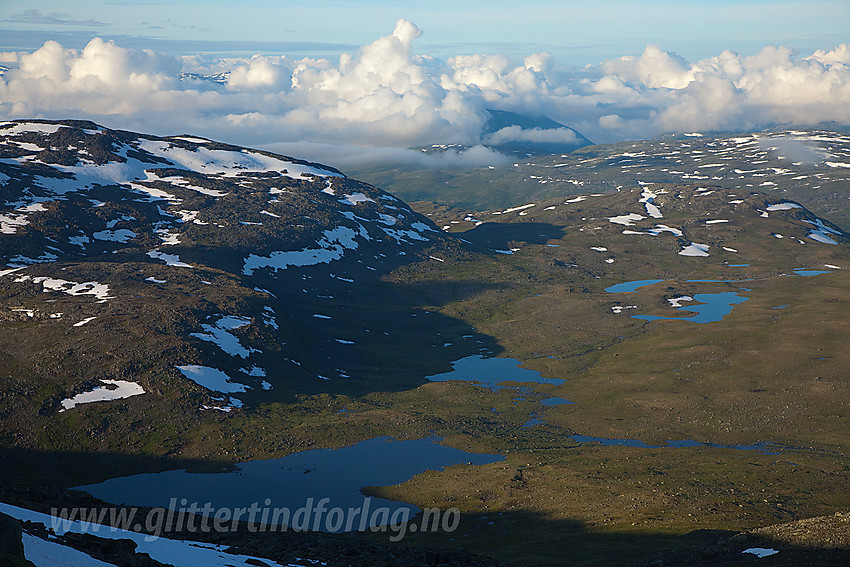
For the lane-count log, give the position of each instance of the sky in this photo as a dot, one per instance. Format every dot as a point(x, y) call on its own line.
point(400, 73)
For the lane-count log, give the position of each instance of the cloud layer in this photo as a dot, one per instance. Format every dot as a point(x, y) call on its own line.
point(384, 95)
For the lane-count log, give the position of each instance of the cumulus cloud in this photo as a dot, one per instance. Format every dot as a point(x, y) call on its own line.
point(385, 95)
point(514, 134)
point(102, 79)
point(729, 91)
point(655, 68)
point(348, 156)
point(259, 73)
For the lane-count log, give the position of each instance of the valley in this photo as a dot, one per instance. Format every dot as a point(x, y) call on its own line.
point(672, 382)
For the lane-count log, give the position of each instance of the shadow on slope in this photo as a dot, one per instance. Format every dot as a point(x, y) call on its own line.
point(518, 537)
point(501, 235)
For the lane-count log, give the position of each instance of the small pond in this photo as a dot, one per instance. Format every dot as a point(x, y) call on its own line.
point(630, 287)
point(712, 307)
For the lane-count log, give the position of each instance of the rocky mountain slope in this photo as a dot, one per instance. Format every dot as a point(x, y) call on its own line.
point(141, 265)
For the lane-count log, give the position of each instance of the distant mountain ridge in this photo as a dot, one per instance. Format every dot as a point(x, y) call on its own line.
point(499, 120)
point(522, 135)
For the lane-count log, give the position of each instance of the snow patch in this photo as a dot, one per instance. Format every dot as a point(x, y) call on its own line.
point(169, 259)
point(356, 198)
point(783, 207)
point(211, 379)
point(122, 389)
point(626, 220)
point(84, 321)
point(331, 246)
point(694, 249)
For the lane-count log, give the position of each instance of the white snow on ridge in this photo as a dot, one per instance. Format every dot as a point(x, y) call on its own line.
point(403, 235)
point(783, 207)
point(121, 235)
point(820, 234)
point(180, 553)
point(218, 334)
point(648, 199)
point(193, 139)
point(99, 290)
point(211, 379)
point(664, 228)
point(355, 198)
point(229, 163)
point(388, 220)
point(45, 553)
point(132, 173)
point(677, 301)
point(515, 209)
point(10, 222)
point(186, 184)
point(153, 193)
point(626, 220)
point(231, 322)
point(331, 246)
point(26, 127)
point(87, 176)
point(694, 249)
point(169, 259)
point(123, 389)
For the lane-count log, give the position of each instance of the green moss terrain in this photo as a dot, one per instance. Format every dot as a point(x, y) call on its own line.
point(761, 396)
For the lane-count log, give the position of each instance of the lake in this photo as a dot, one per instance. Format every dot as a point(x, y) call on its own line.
point(288, 482)
point(491, 372)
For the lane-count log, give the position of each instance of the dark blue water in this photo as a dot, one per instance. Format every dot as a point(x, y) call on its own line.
point(718, 281)
point(491, 372)
point(555, 401)
point(629, 287)
point(288, 482)
point(712, 307)
point(684, 443)
point(608, 442)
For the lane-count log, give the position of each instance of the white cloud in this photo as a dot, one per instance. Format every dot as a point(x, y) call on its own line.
point(513, 134)
point(655, 68)
point(384, 95)
point(259, 72)
point(341, 157)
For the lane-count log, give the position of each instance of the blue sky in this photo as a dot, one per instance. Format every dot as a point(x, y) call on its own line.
point(577, 33)
point(397, 74)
